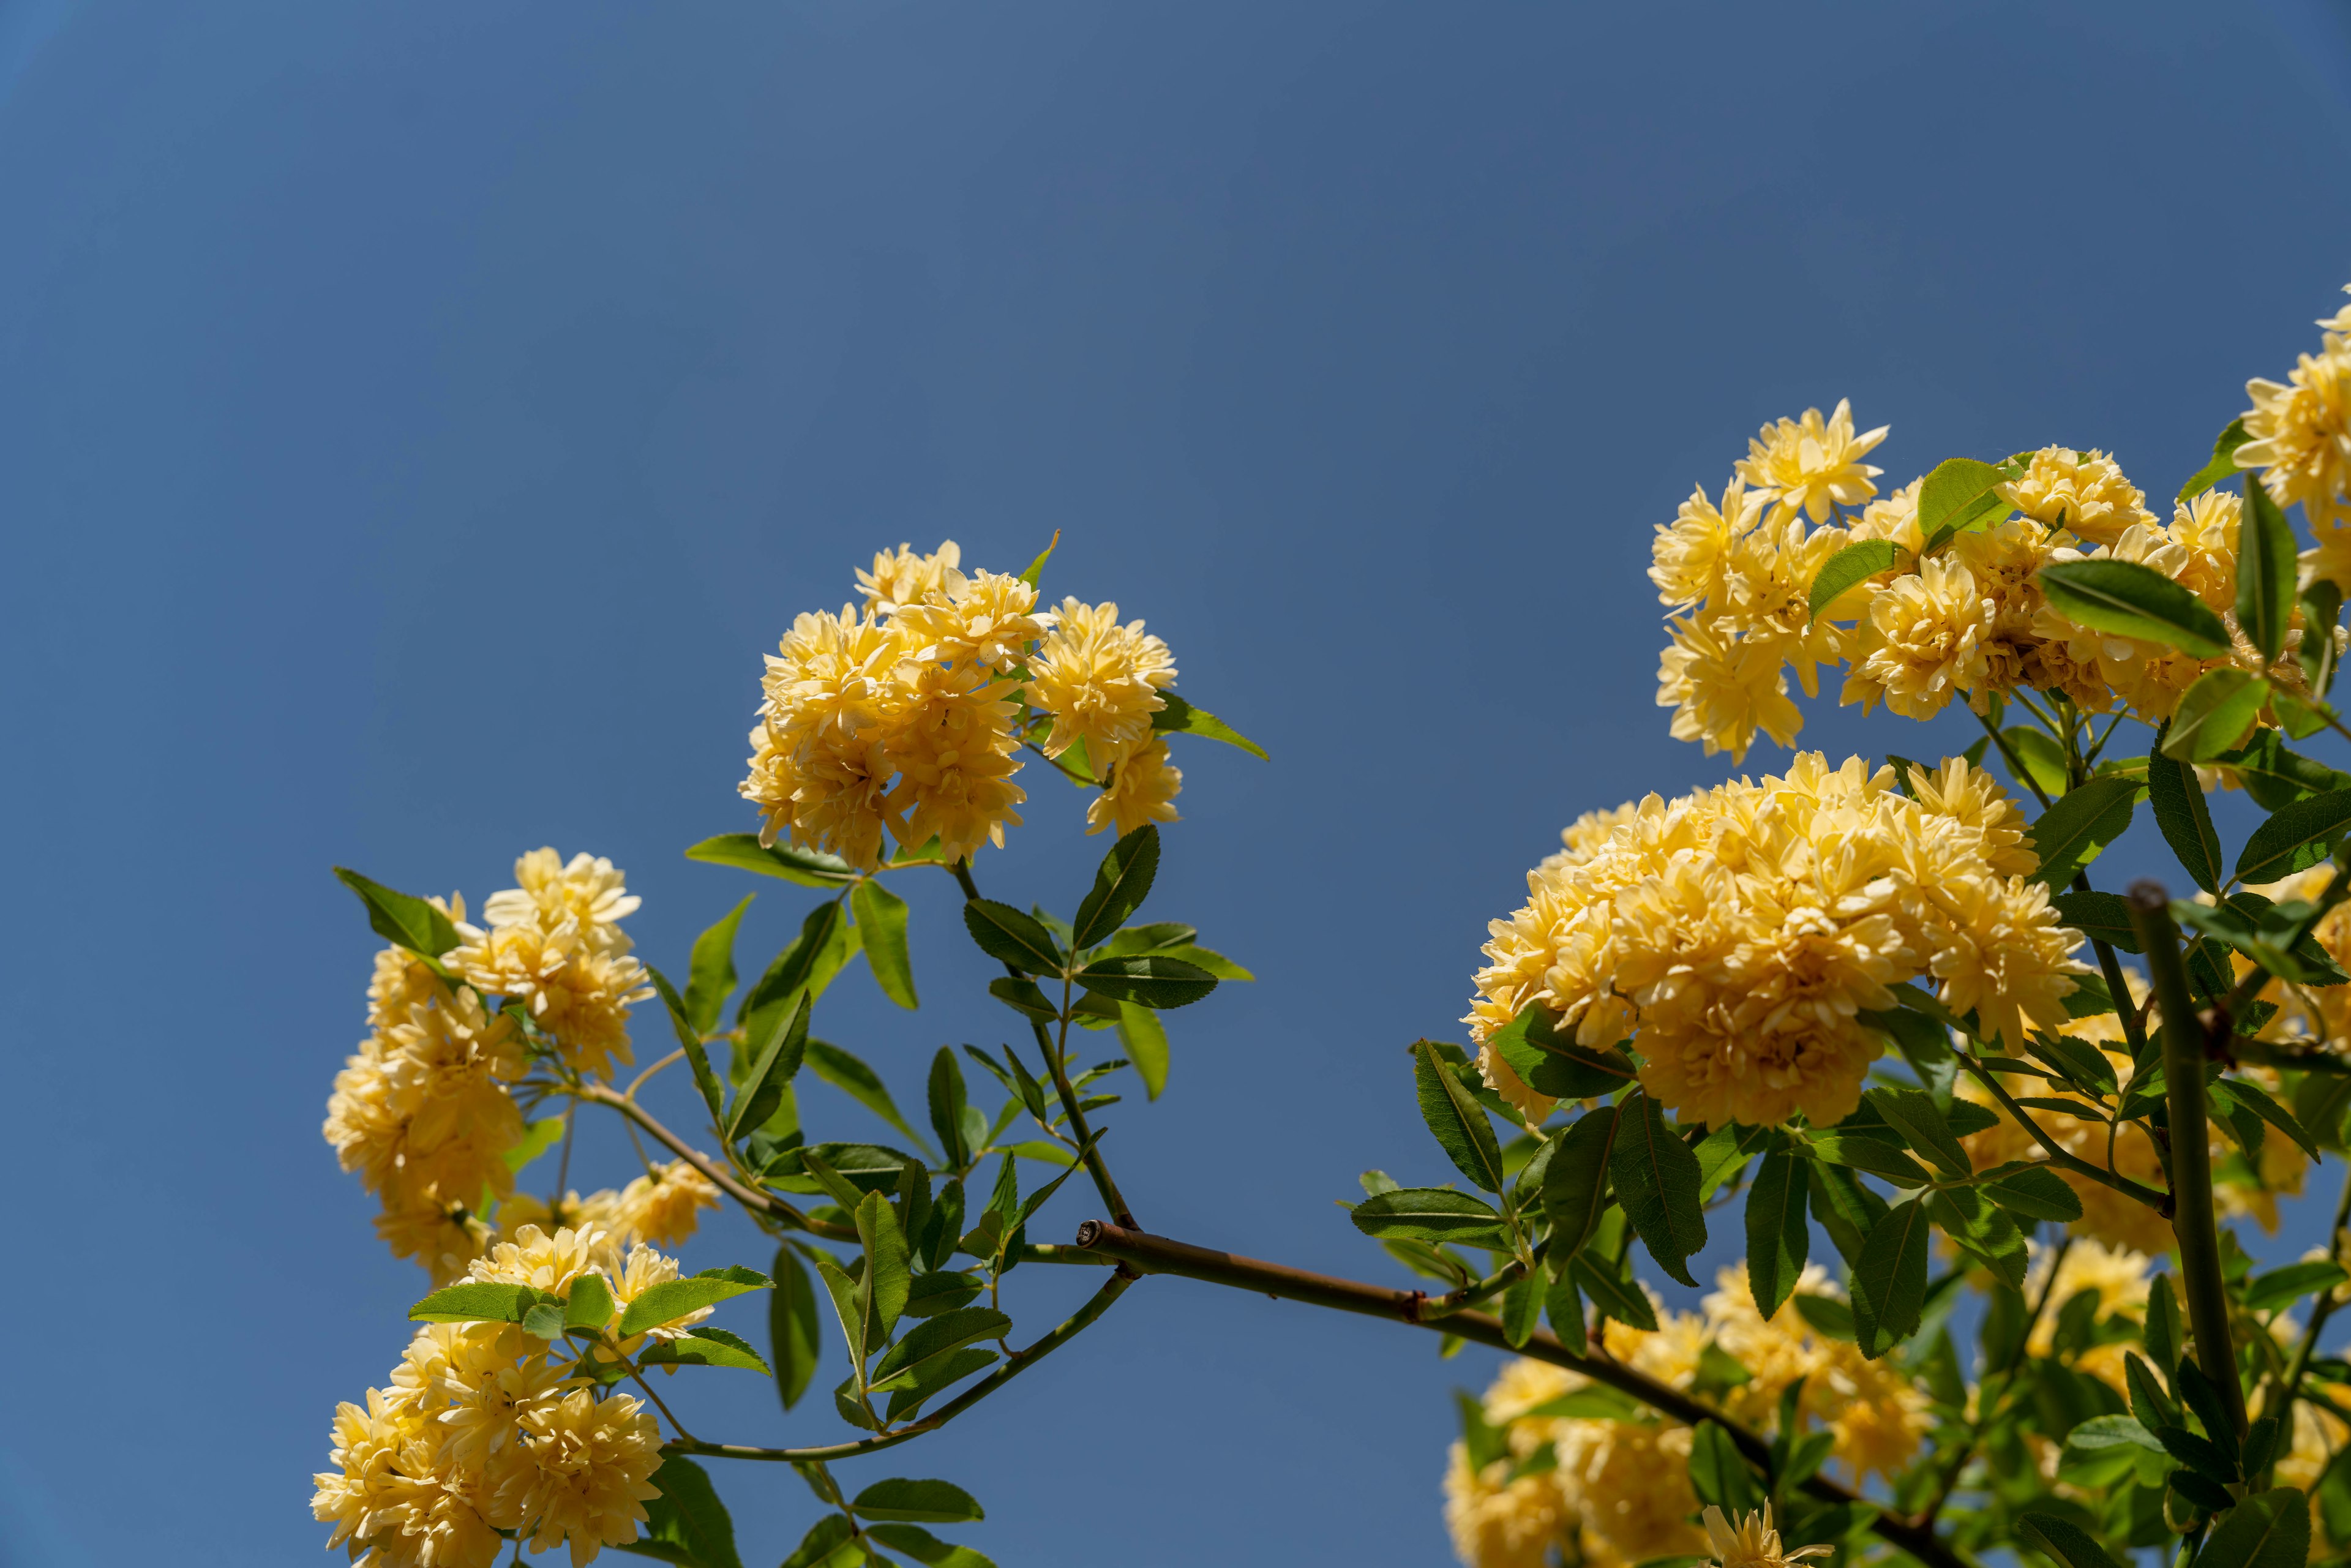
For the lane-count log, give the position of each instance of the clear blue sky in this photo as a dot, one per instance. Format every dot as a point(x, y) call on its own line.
point(417, 420)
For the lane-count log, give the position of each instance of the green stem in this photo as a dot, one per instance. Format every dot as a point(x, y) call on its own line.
point(2192, 1221)
point(2058, 1153)
point(2279, 1400)
point(1019, 1362)
point(1096, 1166)
point(759, 1203)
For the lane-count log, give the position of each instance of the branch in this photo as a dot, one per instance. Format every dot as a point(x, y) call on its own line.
point(1014, 1363)
point(1159, 1255)
point(757, 1202)
point(2184, 1044)
point(2059, 1155)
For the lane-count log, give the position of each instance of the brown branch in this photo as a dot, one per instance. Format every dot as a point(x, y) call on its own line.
point(1160, 1255)
point(749, 1197)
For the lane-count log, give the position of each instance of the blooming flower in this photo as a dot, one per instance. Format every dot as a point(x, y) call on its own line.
point(2299, 433)
point(1753, 1543)
point(1810, 465)
point(2082, 491)
point(555, 945)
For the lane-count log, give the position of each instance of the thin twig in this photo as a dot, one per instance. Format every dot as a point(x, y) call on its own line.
point(2058, 1153)
point(757, 1202)
point(645, 1077)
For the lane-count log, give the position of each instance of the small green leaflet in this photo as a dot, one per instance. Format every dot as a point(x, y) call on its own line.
point(2134, 601)
point(400, 918)
point(674, 1298)
point(2265, 571)
point(1121, 884)
point(2073, 831)
point(2297, 836)
point(1854, 564)
point(1657, 1178)
point(2214, 714)
point(2223, 464)
point(1958, 495)
point(710, 973)
point(917, 1502)
point(882, 923)
point(809, 868)
point(1180, 717)
point(2185, 820)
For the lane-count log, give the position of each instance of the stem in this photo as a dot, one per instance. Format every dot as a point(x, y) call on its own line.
point(1019, 1362)
point(642, 1079)
point(756, 1201)
point(1160, 1255)
point(2191, 1151)
point(1096, 1166)
point(563, 1166)
point(2280, 1402)
point(2016, 768)
point(2059, 1155)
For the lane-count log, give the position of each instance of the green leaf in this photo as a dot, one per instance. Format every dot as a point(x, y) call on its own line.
point(948, 1103)
point(1879, 1156)
point(2297, 837)
point(1718, 1473)
point(2065, 1542)
point(1612, 1295)
point(854, 1168)
point(1564, 1308)
point(1010, 937)
point(1521, 1314)
point(1889, 1283)
point(794, 970)
point(2252, 1099)
point(400, 918)
point(2223, 464)
point(2035, 1192)
point(1852, 565)
point(1983, 1229)
point(1957, 495)
point(831, 1542)
point(1181, 717)
point(1145, 1040)
point(2265, 571)
point(672, 1299)
point(1035, 570)
point(1827, 1316)
point(710, 975)
point(477, 1301)
point(1779, 1239)
point(690, 1042)
point(1023, 997)
point(921, 1544)
point(687, 1519)
point(1458, 1122)
point(2037, 754)
point(2077, 826)
point(2275, 776)
point(536, 1139)
point(1199, 957)
point(792, 1338)
point(2271, 1529)
point(888, 1266)
point(2200, 1393)
point(882, 923)
point(2282, 1287)
point(2134, 601)
point(1428, 1213)
point(589, 1303)
point(931, 1342)
point(781, 1055)
point(1657, 1179)
point(2322, 608)
point(1548, 1060)
point(1913, 1113)
point(2100, 916)
point(853, 1078)
point(2186, 822)
point(1121, 883)
point(1575, 1182)
point(1157, 980)
point(2214, 714)
point(705, 1346)
point(809, 868)
point(917, 1502)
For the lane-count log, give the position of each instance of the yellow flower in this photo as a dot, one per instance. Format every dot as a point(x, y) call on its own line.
point(1810, 465)
point(660, 1208)
point(1723, 689)
point(952, 749)
point(985, 620)
point(587, 890)
point(542, 1261)
point(1586, 836)
point(440, 1234)
point(2299, 434)
point(554, 944)
point(2206, 529)
point(818, 763)
point(1737, 934)
point(1893, 517)
point(905, 576)
point(1143, 789)
point(1875, 1412)
point(2082, 491)
point(1497, 1522)
point(1753, 1543)
point(586, 1486)
point(1689, 555)
point(1922, 641)
point(1101, 682)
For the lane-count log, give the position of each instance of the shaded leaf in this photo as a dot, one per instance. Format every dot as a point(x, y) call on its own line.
point(2297, 836)
point(781, 1052)
point(1428, 1213)
point(400, 918)
point(1575, 1182)
point(917, 1502)
point(1158, 980)
point(696, 1057)
point(2270, 1530)
point(2134, 601)
point(917, 1543)
point(1612, 1295)
point(1779, 1239)
point(793, 1344)
point(1121, 883)
point(1008, 936)
point(1657, 1180)
point(706, 1347)
point(2064, 1542)
point(2035, 1192)
point(853, 1078)
point(2076, 827)
point(2186, 826)
point(688, 1518)
point(2214, 714)
point(2265, 571)
point(1549, 1061)
point(809, 868)
point(1457, 1121)
point(1889, 1282)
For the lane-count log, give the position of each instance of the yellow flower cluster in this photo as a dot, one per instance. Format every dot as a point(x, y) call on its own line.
point(1969, 621)
point(2110, 1218)
point(555, 945)
point(486, 1428)
point(660, 1208)
point(421, 1112)
point(908, 713)
point(1734, 933)
point(2299, 436)
point(1620, 1491)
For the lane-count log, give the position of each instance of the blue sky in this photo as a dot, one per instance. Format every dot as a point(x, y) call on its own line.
point(417, 420)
